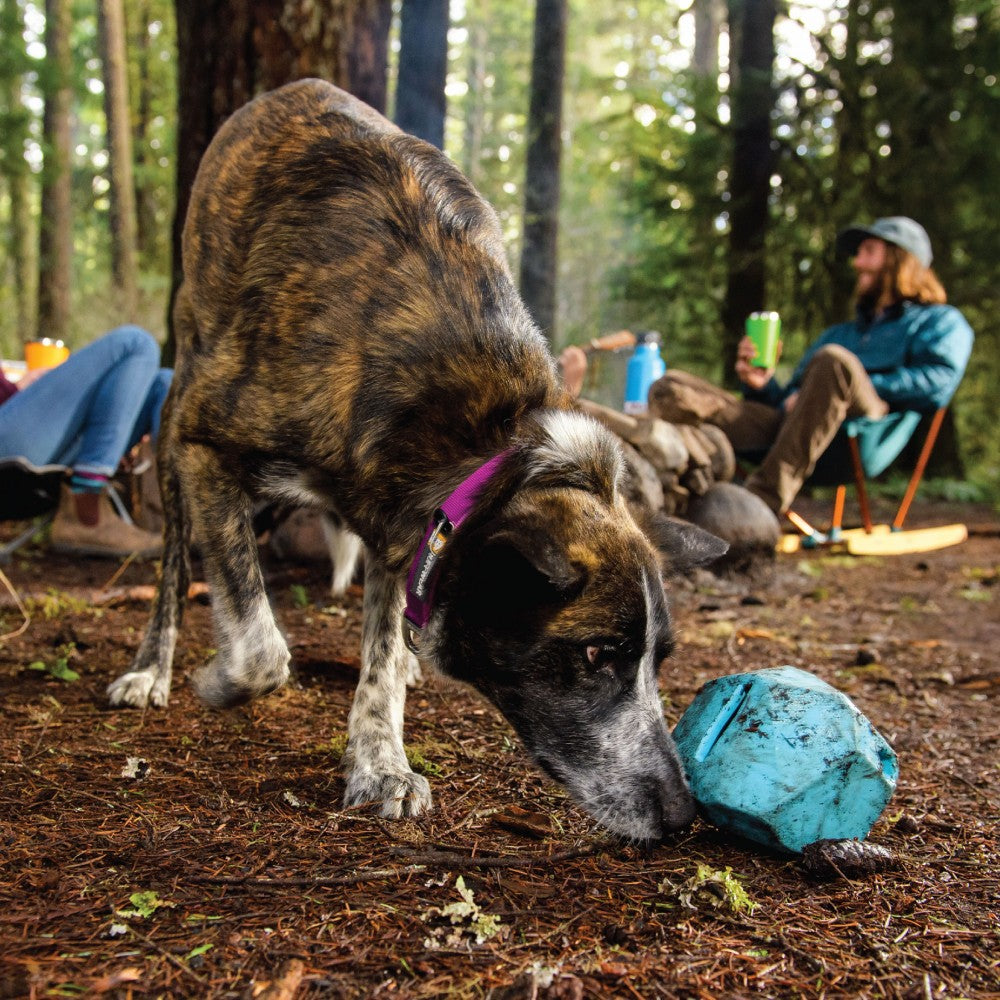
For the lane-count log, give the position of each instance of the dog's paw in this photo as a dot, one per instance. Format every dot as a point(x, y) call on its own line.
point(228, 681)
point(218, 689)
point(414, 673)
point(139, 689)
point(396, 795)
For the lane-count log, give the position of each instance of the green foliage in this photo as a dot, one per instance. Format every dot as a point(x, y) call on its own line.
point(144, 905)
point(466, 917)
point(719, 889)
point(23, 75)
point(59, 668)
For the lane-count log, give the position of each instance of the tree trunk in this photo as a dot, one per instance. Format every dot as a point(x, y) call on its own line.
point(923, 150)
point(708, 17)
point(18, 176)
point(368, 55)
point(751, 33)
point(55, 244)
point(145, 210)
point(111, 18)
point(472, 147)
point(423, 67)
point(541, 187)
point(230, 51)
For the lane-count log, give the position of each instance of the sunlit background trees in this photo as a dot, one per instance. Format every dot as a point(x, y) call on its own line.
point(710, 150)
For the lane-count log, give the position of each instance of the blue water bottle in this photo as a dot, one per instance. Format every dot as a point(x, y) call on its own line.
point(644, 368)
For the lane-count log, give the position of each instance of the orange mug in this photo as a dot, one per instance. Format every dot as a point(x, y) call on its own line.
point(45, 353)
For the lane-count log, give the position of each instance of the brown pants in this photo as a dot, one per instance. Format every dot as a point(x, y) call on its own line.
point(835, 387)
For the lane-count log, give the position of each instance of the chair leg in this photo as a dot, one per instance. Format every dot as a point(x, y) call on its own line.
point(810, 536)
point(918, 470)
point(837, 522)
point(859, 483)
point(7, 551)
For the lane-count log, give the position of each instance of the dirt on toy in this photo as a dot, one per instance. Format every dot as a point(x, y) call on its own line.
point(185, 852)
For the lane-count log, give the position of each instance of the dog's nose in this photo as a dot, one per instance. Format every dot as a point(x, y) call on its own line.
point(677, 809)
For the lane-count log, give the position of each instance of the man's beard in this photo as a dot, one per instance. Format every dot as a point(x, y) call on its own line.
point(866, 297)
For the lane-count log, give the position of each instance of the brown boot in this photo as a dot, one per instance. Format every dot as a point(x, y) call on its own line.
point(110, 537)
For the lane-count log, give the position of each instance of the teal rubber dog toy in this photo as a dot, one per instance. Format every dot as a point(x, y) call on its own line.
point(784, 759)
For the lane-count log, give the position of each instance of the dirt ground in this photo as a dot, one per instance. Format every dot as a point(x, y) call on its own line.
point(192, 853)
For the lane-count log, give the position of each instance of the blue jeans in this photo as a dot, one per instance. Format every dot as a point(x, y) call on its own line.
point(90, 410)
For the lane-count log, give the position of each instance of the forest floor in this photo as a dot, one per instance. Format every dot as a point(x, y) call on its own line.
point(192, 853)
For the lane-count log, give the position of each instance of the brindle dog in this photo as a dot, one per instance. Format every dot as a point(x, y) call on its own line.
point(349, 337)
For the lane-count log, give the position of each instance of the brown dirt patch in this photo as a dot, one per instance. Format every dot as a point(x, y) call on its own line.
point(266, 888)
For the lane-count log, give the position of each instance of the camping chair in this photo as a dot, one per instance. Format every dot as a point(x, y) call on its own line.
point(873, 445)
point(31, 492)
point(28, 492)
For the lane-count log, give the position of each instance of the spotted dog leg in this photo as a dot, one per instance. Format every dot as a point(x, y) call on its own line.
point(148, 682)
point(253, 657)
point(375, 763)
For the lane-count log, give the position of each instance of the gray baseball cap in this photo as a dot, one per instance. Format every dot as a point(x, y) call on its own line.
point(897, 229)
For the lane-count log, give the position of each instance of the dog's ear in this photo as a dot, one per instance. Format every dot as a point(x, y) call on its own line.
point(683, 545)
point(515, 548)
point(511, 575)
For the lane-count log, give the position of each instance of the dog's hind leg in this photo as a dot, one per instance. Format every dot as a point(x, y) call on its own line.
point(252, 656)
point(376, 768)
point(148, 682)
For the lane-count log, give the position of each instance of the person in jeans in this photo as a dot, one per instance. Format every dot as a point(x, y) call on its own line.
point(87, 413)
point(904, 350)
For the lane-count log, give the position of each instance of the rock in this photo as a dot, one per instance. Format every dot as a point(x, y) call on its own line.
point(740, 518)
point(661, 443)
point(299, 537)
point(721, 450)
point(641, 486)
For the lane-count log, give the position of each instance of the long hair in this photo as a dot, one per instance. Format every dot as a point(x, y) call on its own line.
point(904, 279)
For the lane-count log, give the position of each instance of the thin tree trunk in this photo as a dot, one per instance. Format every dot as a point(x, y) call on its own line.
point(472, 147)
point(751, 24)
point(15, 167)
point(55, 256)
point(423, 67)
point(708, 16)
point(541, 188)
point(111, 18)
point(368, 55)
point(145, 212)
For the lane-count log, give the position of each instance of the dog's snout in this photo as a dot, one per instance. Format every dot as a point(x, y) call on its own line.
point(677, 809)
point(672, 801)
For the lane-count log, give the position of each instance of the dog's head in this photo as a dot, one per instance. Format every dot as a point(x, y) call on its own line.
point(555, 610)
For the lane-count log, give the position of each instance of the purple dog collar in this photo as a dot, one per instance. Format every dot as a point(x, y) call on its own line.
point(422, 580)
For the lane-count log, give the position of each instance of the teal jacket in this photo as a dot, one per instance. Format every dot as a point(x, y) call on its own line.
point(915, 355)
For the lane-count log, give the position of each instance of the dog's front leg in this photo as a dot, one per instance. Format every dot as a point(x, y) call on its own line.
point(376, 768)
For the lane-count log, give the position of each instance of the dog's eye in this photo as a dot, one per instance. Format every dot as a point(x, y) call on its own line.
point(602, 656)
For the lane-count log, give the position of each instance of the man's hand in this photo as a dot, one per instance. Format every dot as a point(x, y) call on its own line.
point(573, 362)
point(749, 374)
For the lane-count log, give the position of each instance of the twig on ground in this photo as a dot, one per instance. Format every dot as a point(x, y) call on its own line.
point(20, 607)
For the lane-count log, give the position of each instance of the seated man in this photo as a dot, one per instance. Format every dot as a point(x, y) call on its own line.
point(904, 350)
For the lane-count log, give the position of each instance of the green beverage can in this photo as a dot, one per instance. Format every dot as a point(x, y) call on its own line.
point(764, 329)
